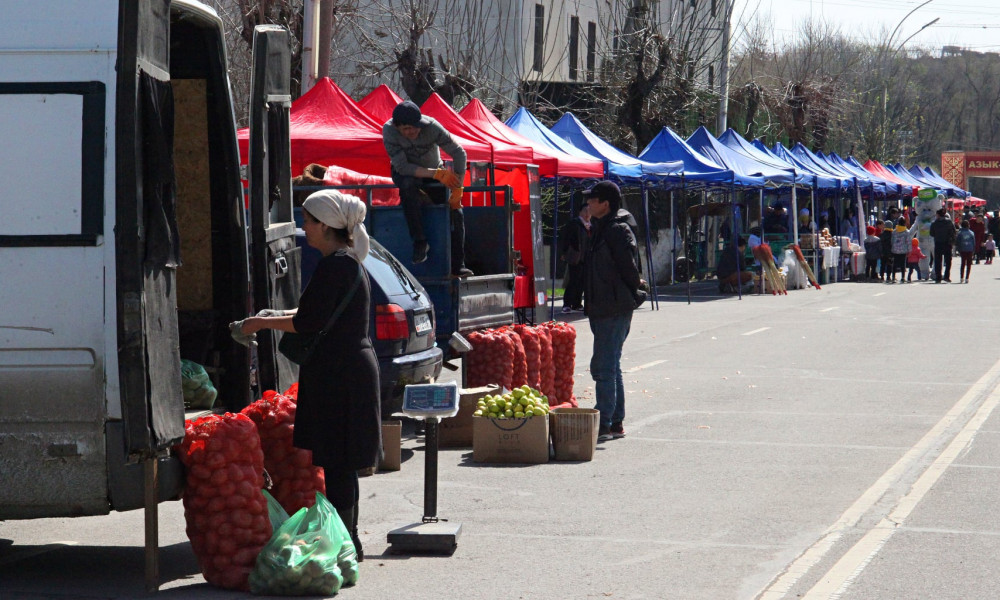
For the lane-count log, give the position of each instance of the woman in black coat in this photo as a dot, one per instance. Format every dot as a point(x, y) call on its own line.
point(338, 415)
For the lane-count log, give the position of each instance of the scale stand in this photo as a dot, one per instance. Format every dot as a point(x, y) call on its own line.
point(430, 402)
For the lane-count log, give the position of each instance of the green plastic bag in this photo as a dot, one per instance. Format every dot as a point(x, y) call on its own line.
point(197, 385)
point(301, 559)
point(275, 512)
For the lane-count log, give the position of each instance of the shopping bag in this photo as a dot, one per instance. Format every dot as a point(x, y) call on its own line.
point(301, 559)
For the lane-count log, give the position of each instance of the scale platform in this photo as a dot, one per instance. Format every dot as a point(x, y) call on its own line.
point(439, 537)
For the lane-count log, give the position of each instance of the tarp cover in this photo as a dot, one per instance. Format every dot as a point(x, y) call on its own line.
point(667, 146)
point(618, 164)
point(551, 162)
point(327, 127)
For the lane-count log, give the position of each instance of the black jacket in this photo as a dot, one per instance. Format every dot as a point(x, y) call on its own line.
point(730, 261)
point(943, 231)
point(611, 265)
point(574, 236)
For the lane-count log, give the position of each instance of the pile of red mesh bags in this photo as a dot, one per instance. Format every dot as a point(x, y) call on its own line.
point(295, 480)
point(225, 511)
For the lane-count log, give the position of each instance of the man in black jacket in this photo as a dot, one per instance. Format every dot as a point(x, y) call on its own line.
point(612, 285)
point(944, 233)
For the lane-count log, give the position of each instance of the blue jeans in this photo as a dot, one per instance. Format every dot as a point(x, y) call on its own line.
point(606, 365)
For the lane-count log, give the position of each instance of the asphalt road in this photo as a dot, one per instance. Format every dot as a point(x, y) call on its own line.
point(839, 443)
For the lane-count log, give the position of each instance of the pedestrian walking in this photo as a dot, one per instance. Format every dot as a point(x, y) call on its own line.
point(612, 292)
point(989, 248)
point(913, 261)
point(965, 244)
point(900, 244)
point(978, 227)
point(886, 237)
point(873, 251)
point(943, 232)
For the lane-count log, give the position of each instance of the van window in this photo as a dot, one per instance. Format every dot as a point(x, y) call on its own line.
point(52, 179)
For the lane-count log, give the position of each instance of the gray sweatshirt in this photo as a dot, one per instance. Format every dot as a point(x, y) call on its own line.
point(406, 155)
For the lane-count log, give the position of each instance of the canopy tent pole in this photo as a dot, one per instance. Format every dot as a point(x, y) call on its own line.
point(815, 234)
point(736, 236)
point(673, 235)
point(688, 263)
point(795, 213)
point(649, 249)
point(555, 249)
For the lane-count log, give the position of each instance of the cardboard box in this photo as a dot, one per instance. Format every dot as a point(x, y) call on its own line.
point(392, 433)
point(574, 432)
point(456, 432)
point(510, 440)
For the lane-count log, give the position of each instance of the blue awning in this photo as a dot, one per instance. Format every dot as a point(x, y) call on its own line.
point(740, 145)
point(707, 145)
point(617, 164)
point(667, 146)
point(822, 180)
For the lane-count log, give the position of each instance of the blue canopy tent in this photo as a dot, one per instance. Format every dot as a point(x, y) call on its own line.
point(699, 171)
point(943, 183)
point(618, 165)
point(920, 175)
point(906, 176)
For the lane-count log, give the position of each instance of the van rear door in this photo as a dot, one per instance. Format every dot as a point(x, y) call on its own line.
point(275, 260)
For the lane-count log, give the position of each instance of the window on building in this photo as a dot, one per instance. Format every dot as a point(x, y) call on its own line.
point(574, 46)
point(539, 59)
point(591, 49)
point(711, 77)
point(715, 7)
point(690, 71)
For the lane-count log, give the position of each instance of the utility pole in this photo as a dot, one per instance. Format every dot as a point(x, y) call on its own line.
point(722, 124)
point(310, 37)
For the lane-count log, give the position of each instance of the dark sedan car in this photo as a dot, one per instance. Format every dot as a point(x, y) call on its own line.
point(402, 323)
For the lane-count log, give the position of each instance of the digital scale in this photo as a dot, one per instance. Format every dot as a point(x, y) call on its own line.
point(430, 402)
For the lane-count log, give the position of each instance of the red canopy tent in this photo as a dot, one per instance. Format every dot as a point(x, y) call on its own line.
point(327, 127)
point(973, 201)
point(876, 168)
point(504, 153)
point(380, 102)
point(550, 162)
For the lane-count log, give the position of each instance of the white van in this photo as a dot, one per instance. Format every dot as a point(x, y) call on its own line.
point(124, 244)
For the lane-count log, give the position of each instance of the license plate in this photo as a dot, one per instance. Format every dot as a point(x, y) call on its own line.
point(422, 322)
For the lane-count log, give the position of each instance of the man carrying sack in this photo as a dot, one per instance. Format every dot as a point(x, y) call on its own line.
point(413, 142)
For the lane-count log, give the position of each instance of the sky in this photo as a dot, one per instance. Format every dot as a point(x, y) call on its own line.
point(971, 24)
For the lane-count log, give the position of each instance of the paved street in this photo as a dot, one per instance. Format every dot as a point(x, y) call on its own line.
point(833, 443)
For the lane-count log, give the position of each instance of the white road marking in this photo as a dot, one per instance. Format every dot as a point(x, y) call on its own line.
point(852, 563)
point(829, 309)
point(933, 438)
point(756, 331)
point(645, 366)
point(879, 294)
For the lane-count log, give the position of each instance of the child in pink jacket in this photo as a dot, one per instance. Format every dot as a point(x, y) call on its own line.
point(913, 261)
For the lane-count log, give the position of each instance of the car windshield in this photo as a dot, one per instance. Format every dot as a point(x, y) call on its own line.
point(384, 268)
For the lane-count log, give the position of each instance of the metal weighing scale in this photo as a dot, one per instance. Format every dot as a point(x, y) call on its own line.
point(430, 402)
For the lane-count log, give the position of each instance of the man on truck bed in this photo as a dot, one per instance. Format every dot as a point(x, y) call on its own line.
point(413, 142)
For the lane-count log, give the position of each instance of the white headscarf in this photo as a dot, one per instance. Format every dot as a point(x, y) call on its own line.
point(341, 211)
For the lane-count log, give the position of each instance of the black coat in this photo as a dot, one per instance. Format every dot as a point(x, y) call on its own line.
point(338, 415)
point(574, 237)
point(611, 265)
point(943, 231)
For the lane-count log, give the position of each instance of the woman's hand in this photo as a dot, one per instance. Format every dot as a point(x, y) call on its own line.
point(252, 325)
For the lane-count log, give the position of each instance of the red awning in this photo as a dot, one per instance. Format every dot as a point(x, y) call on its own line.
point(380, 102)
point(550, 162)
point(973, 201)
point(876, 168)
point(327, 127)
point(503, 153)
